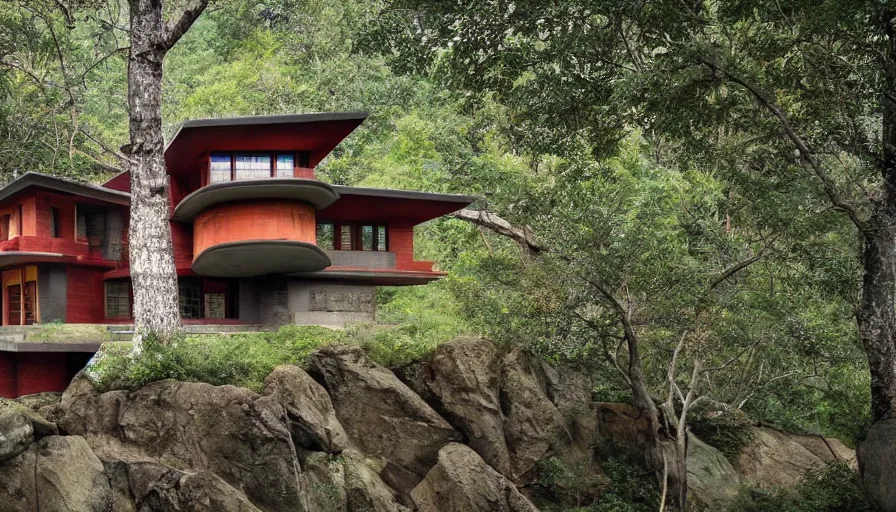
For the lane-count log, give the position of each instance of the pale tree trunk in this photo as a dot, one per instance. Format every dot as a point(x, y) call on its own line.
point(149, 237)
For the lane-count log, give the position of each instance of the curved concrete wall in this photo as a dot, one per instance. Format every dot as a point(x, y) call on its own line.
point(254, 220)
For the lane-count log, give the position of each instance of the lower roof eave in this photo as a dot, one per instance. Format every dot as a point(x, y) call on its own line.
point(381, 277)
point(29, 346)
point(18, 258)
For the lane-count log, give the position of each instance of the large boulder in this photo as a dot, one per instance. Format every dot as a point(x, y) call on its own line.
point(309, 408)
point(382, 416)
point(463, 377)
point(161, 489)
point(16, 432)
point(532, 423)
point(58, 473)
point(622, 427)
point(775, 458)
point(462, 482)
point(241, 437)
point(877, 464)
point(712, 480)
point(365, 491)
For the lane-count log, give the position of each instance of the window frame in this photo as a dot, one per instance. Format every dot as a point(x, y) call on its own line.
point(357, 231)
point(130, 298)
point(272, 171)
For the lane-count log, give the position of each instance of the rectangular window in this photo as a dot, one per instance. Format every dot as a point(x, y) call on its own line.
point(118, 299)
point(4, 227)
point(325, 236)
point(381, 238)
point(190, 295)
point(366, 238)
point(285, 166)
point(81, 228)
point(305, 159)
point(252, 166)
point(346, 238)
point(54, 222)
point(219, 168)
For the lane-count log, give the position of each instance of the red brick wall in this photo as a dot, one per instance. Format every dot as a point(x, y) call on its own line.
point(41, 371)
point(85, 295)
point(8, 374)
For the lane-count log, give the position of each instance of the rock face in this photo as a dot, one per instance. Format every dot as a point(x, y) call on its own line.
point(776, 458)
point(314, 423)
point(877, 458)
point(351, 436)
point(462, 482)
point(382, 416)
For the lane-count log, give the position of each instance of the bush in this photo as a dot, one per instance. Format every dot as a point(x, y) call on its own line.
point(240, 359)
point(726, 429)
point(834, 488)
point(623, 486)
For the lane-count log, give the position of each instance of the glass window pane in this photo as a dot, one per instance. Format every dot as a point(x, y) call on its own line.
point(367, 238)
point(249, 167)
point(381, 238)
point(219, 171)
point(190, 295)
point(118, 300)
point(345, 238)
point(325, 236)
point(285, 167)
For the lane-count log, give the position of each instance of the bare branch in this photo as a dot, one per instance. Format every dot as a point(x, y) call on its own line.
point(522, 236)
point(174, 31)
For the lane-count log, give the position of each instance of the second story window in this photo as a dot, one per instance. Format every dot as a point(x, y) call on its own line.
point(224, 167)
point(347, 236)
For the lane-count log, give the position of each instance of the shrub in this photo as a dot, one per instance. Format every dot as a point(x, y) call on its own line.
point(832, 488)
point(728, 430)
point(623, 486)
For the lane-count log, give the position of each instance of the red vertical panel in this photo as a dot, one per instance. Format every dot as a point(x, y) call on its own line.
point(85, 296)
point(8, 374)
point(401, 242)
point(38, 372)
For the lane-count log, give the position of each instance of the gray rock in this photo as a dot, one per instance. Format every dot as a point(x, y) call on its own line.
point(364, 490)
point(382, 416)
point(58, 473)
point(16, 432)
point(712, 480)
point(312, 418)
point(462, 482)
point(781, 459)
point(877, 464)
point(171, 490)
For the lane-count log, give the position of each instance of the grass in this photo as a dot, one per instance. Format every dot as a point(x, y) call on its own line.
point(68, 333)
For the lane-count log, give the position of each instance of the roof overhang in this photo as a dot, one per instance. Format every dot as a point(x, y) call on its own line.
point(317, 133)
point(316, 193)
point(18, 258)
point(35, 179)
point(390, 277)
point(382, 204)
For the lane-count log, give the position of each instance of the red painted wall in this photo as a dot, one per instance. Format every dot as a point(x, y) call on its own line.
point(85, 296)
point(41, 371)
point(254, 220)
point(8, 374)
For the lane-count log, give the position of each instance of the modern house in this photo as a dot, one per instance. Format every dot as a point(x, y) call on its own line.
point(259, 242)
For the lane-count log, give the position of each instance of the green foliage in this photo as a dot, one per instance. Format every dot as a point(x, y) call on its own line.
point(728, 430)
point(240, 359)
point(620, 485)
point(834, 488)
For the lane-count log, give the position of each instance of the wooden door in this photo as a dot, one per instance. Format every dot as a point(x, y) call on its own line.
point(30, 302)
point(14, 297)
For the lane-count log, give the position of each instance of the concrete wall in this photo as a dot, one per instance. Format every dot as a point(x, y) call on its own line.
point(52, 291)
point(274, 302)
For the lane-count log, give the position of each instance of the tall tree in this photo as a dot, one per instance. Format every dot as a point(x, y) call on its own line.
point(149, 237)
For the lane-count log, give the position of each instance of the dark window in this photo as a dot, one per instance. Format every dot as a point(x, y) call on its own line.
point(285, 166)
point(91, 224)
point(190, 293)
point(4, 227)
point(219, 168)
point(325, 236)
point(249, 166)
point(381, 238)
point(82, 223)
point(118, 299)
point(355, 237)
point(367, 238)
point(304, 159)
point(54, 222)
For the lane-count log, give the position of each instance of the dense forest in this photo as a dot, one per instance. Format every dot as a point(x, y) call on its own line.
point(685, 191)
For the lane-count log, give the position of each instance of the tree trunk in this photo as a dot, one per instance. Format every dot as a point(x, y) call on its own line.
point(149, 237)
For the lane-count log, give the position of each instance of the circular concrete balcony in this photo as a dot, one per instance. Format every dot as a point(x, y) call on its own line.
point(256, 237)
point(315, 193)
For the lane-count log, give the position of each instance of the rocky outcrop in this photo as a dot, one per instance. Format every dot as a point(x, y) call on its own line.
point(382, 416)
point(775, 458)
point(462, 482)
point(308, 406)
point(712, 480)
point(877, 459)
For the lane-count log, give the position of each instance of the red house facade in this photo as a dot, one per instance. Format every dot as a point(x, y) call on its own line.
point(259, 242)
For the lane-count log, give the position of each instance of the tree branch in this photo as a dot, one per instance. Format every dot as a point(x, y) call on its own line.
point(522, 236)
point(806, 155)
point(174, 31)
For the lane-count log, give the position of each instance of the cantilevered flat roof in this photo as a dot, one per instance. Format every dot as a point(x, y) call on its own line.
point(382, 204)
point(317, 193)
point(316, 117)
point(36, 179)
